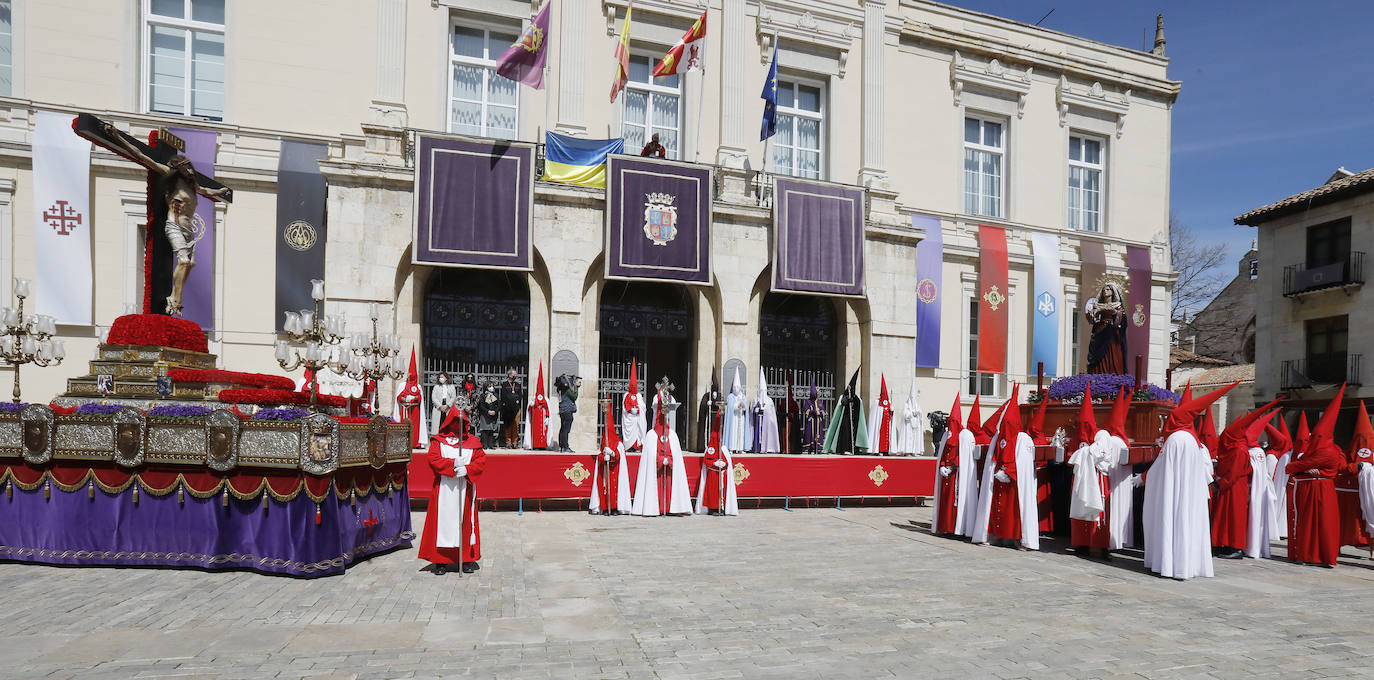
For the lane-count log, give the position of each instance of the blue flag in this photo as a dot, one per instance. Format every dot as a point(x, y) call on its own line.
point(770, 100)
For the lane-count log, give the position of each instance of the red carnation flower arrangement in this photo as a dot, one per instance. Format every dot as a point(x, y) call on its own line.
point(157, 330)
point(260, 380)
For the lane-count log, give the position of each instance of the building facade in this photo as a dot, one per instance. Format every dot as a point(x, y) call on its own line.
point(959, 117)
point(1310, 291)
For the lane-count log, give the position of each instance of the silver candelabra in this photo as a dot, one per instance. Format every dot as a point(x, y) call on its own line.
point(314, 337)
point(27, 341)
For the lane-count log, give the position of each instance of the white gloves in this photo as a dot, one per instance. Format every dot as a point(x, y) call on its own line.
point(719, 464)
point(1364, 465)
point(1002, 476)
point(946, 470)
point(606, 457)
point(1137, 480)
point(460, 470)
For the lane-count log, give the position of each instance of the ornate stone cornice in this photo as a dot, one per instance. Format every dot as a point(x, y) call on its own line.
point(1093, 98)
point(993, 75)
point(822, 24)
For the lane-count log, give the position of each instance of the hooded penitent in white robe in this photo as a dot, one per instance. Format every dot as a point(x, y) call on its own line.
point(661, 443)
point(735, 429)
point(911, 429)
point(965, 485)
point(633, 422)
point(979, 533)
point(763, 421)
point(1260, 530)
point(1026, 491)
point(1278, 473)
point(731, 498)
point(623, 499)
point(1121, 515)
point(1178, 534)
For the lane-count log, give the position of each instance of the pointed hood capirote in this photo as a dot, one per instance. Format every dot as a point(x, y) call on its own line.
point(882, 390)
point(1011, 418)
point(956, 420)
point(1239, 433)
point(1322, 432)
point(975, 422)
point(1362, 441)
point(1116, 422)
point(989, 429)
point(539, 385)
point(1036, 429)
point(1304, 435)
point(1280, 442)
point(1189, 407)
point(1087, 422)
point(455, 424)
point(1207, 435)
point(737, 388)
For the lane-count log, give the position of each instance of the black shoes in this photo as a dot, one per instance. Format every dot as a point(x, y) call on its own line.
point(439, 570)
point(469, 567)
point(1228, 553)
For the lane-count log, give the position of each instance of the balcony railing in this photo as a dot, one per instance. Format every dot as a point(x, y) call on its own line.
point(1305, 373)
point(1299, 279)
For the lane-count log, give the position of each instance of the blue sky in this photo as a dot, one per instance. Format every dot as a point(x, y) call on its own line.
point(1276, 94)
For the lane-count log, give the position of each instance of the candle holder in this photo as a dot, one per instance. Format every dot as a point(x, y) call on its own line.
point(315, 337)
point(27, 341)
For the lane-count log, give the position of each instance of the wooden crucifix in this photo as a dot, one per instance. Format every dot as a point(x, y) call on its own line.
point(173, 189)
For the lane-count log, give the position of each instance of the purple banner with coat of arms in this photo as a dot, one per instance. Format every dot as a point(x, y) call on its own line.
point(473, 199)
point(930, 254)
point(818, 237)
point(658, 220)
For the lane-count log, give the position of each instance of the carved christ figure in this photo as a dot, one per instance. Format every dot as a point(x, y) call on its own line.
point(178, 188)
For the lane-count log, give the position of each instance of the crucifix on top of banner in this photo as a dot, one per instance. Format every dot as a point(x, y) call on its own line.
point(174, 187)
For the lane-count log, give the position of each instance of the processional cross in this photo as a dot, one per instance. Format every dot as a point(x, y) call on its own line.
point(173, 188)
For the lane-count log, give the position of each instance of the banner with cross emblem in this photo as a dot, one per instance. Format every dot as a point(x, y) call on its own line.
point(62, 219)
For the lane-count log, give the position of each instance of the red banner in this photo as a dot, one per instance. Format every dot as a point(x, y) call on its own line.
point(568, 475)
point(992, 299)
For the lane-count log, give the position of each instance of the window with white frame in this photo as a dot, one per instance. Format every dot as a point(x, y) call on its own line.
point(6, 48)
point(653, 106)
point(1085, 183)
point(976, 383)
point(183, 57)
point(481, 102)
point(985, 145)
point(800, 139)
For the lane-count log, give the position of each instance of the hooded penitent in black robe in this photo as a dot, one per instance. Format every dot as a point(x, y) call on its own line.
point(706, 411)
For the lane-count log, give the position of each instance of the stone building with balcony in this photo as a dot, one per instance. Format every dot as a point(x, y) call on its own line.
point(1310, 299)
point(956, 117)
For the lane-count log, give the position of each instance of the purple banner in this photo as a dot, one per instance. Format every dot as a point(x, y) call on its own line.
point(930, 255)
point(472, 202)
point(1138, 273)
point(658, 220)
point(198, 297)
point(101, 528)
point(818, 237)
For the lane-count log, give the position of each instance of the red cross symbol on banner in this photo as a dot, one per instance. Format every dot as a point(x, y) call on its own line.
point(370, 522)
point(62, 217)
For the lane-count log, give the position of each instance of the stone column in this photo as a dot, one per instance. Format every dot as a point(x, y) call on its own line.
point(873, 173)
point(735, 42)
point(388, 99)
point(572, 26)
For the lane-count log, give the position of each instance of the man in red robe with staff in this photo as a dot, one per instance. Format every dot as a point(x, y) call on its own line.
point(1314, 517)
point(716, 486)
point(451, 534)
point(610, 474)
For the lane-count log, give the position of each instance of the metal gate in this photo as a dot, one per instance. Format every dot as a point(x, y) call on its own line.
point(612, 381)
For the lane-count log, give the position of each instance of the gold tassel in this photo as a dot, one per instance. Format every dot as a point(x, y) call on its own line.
point(135, 493)
point(181, 494)
point(264, 500)
point(47, 490)
point(90, 490)
point(9, 489)
point(224, 500)
point(353, 497)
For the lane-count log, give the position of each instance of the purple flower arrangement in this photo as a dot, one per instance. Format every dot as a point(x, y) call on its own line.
point(91, 408)
point(1105, 387)
point(11, 407)
point(178, 412)
point(286, 414)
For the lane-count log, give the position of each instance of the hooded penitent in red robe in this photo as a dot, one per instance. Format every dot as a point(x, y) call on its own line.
point(457, 459)
point(1314, 520)
point(1234, 475)
point(1355, 489)
point(410, 402)
point(948, 471)
point(610, 473)
point(1089, 533)
point(537, 432)
point(1044, 473)
point(1004, 521)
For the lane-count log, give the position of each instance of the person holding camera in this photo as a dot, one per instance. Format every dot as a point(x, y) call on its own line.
point(567, 386)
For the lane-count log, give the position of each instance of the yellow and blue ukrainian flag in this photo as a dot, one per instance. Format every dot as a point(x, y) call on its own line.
point(573, 160)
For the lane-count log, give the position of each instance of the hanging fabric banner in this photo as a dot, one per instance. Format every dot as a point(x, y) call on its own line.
point(818, 237)
point(1138, 273)
point(658, 220)
point(473, 199)
point(1045, 342)
point(930, 254)
point(992, 299)
point(198, 297)
point(1093, 267)
point(300, 224)
point(62, 224)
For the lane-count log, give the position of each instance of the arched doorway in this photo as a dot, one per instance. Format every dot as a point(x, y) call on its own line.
point(655, 323)
point(476, 320)
point(799, 336)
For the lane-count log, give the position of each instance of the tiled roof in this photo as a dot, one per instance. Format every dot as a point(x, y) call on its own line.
point(1226, 375)
point(1182, 356)
point(1333, 190)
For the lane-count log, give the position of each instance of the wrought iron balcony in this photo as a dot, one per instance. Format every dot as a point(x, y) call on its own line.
point(1300, 279)
point(1297, 374)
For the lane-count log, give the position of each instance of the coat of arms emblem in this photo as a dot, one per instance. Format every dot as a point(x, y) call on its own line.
point(660, 218)
point(1138, 318)
point(926, 290)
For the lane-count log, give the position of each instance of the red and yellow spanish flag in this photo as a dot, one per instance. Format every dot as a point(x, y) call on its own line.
point(690, 49)
point(622, 55)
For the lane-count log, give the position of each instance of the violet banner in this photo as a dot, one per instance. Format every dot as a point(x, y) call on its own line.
point(473, 199)
point(818, 237)
point(198, 297)
point(658, 220)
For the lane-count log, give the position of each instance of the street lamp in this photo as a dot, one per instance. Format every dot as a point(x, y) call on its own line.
point(27, 341)
point(313, 337)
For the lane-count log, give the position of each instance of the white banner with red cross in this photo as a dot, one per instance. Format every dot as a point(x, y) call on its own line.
point(62, 220)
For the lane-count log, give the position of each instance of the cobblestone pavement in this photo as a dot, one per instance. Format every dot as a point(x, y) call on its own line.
point(861, 593)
